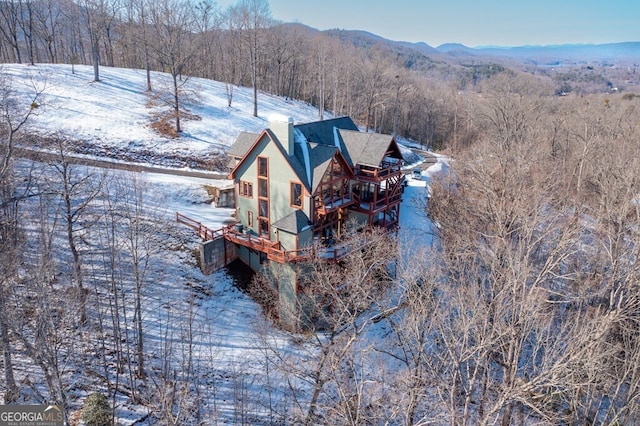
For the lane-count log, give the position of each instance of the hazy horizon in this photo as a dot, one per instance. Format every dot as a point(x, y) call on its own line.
point(493, 23)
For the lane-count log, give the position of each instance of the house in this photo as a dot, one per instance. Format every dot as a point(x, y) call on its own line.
point(298, 185)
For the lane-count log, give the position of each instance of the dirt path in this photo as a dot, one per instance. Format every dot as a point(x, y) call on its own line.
point(106, 164)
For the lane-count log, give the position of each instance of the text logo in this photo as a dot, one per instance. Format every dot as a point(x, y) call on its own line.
point(31, 415)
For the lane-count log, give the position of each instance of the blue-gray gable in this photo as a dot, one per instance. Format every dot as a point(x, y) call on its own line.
point(322, 131)
point(319, 159)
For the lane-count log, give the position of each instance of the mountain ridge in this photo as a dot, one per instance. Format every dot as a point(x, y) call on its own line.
point(627, 51)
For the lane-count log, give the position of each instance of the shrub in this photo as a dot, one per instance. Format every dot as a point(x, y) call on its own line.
point(97, 411)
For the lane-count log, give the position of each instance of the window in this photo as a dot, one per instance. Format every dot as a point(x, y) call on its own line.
point(263, 188)
point(250, 219)
point(263, 227)
point(296, 194)
point(246, 189)
point(263, 208)
point(263, 196)
point(263, 167)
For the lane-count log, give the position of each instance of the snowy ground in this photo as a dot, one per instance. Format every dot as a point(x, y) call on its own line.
point(113, 116)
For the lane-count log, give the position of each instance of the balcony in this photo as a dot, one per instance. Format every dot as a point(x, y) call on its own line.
point(377, 174)
point(273, 250)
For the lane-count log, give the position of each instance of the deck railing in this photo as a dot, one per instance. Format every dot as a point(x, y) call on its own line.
point(383, 172)
point(203, 231)
point(272, 249)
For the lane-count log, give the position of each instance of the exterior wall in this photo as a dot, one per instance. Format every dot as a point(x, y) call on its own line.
point(280, 180)
point(287, 241)
point(305, 238)
point(215, 254)
point(285, 275)
point(250, 258)
point(281, 176)
point(248, 171)
point(291, 242)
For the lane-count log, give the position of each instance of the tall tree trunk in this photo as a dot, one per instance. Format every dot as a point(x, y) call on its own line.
point(76, 255)
point(255, 91)
point(176, 100)
point(12, 392)
point(95, 54)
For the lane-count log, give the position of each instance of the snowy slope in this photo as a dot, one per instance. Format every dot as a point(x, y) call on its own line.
point(115, 114)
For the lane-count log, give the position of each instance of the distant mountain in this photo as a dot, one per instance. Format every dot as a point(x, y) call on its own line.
point(614, 52)
point(409, 55)
point(421, 47)
point(580, 68)
point(453, 47)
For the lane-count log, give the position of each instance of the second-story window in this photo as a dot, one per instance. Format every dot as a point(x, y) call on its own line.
point(263, 167)
point(246, 189)
point(296, 194)
point(263, 188)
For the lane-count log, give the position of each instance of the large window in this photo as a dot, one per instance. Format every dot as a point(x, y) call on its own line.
point(296, 194)
point(263, 208)
point(264, 227)
point(263, 196)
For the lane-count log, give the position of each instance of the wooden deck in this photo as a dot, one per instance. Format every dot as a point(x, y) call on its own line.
point(273, 250)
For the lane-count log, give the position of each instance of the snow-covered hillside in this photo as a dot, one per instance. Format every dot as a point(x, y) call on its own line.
point(113, 117)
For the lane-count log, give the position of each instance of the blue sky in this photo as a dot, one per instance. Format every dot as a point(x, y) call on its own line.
point(471, 22)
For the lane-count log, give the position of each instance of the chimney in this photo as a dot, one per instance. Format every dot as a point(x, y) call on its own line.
point(282, 127)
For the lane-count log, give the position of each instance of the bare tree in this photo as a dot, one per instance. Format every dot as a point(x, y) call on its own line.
point(139, 239)
point(523, 288)
point(330, 304)
point(232, 63)
point(10, 12)
point(98, 16)
point(254, 17)
point(372, 83)
point(174, 48)
point(13, 119)
point(207, 26)
point(77, 191)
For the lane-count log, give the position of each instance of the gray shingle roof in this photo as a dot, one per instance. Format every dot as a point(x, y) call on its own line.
point(322, 131)
point(367, 149)
point(293, 223)
point(320, 157)
point(243, 142)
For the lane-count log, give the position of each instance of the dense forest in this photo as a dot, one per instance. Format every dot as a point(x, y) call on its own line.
point(390, 87)
point(526, 312)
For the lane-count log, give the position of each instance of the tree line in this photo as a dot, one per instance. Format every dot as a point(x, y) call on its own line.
point(242, 45)
point(525, 312)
